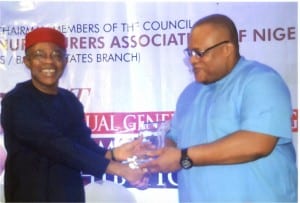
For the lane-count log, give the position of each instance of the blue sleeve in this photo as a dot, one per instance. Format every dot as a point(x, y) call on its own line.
point(266, 105)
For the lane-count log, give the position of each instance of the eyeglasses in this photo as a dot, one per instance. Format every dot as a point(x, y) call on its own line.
point(57, 56)
point(193, 52)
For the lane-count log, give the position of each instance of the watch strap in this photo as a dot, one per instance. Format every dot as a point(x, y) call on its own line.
point(185, 161)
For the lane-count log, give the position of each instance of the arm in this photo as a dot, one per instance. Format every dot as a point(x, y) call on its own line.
point(238, 147)
point(170, 143)
point(266, 110)
point(30, 129)
point(134, 148)
point(136, 177)
point(241, 146)
point(27, 127)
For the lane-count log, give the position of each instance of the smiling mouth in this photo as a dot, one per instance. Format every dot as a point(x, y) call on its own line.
point(48, 72)
point(196, 70)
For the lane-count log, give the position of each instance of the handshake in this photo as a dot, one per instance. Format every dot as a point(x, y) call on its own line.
point(130, 159)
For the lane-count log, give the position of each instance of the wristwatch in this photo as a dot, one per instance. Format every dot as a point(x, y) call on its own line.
point(185, 161)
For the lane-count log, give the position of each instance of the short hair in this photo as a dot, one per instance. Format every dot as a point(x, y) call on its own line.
point(222, 21)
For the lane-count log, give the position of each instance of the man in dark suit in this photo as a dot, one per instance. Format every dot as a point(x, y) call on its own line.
point(47, 140)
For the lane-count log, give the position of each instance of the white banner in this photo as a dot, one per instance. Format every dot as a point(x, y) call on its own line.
point(126, 61)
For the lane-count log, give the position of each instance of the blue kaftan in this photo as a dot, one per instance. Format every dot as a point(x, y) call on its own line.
point(253, 97)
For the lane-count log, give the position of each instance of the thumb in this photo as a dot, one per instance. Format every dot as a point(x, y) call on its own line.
point(152, 153)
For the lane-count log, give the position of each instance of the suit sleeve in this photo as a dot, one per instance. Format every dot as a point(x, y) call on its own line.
point(24, 121)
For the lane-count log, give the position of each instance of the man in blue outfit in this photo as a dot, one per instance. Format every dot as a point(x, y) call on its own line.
point(47, 140)
point(230, 137)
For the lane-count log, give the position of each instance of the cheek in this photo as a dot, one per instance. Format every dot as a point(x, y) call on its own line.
point(213, 71)
point(61, 68)
point(211, 67)
point(219, 72)
point(62, 65)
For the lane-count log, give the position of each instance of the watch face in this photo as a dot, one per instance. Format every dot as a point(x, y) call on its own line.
point(186, 163)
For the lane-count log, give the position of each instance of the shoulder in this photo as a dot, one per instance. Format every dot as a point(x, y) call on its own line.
point(18, 91)
point(192, 88)
point(69, 97)
point(260, 79)
point(255, 68)
point(189, 92)
point(67, 93)
point(251, 71)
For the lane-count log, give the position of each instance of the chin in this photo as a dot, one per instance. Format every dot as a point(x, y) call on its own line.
point(200, 80)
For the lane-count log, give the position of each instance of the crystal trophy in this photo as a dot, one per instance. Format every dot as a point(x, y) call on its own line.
point(153, 133)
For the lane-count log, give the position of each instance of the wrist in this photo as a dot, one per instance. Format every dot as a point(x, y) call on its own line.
point(185, 160)
point(116, 168)
point(113, 155)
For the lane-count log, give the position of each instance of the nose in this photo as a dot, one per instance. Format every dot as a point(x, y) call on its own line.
point(194, 59)
point(48, 59)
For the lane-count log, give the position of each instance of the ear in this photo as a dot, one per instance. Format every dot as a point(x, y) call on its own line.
point(229, 49)
point(65, 61)
point(26, 62)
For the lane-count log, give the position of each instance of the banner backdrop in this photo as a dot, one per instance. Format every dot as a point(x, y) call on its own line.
point(126, 62)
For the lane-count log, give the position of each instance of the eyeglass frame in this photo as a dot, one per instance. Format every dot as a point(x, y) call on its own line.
point(39, 55)
point(199, 54)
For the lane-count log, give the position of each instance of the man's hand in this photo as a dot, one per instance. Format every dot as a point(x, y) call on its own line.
point(135, 148)
point(137, 177)
point(165, 160)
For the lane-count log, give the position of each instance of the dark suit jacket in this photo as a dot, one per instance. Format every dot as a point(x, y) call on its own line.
point(48, 146)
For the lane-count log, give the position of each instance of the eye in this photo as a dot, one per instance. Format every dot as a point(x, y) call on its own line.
point(38, 55)
point(56, 55)
point(41, 56)
point(194, 52)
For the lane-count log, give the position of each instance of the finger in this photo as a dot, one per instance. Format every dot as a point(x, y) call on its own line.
point(150, 167)
point(139, 139)
point(148, 146)
point(154, 153)
point(145, 170)
point(154, 169)
point(143, 184)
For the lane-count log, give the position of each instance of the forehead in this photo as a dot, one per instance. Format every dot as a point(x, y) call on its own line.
point(207, 34)
point(45, 46)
